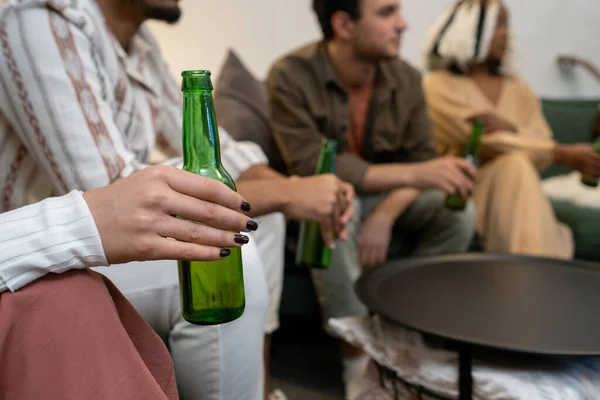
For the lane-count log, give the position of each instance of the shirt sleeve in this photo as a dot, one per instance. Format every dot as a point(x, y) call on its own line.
point(420, 139)
point(238, 157)
point(55, 98)
point(297, 134)
point(52, 236)
point(450, 113)
point(168, 135)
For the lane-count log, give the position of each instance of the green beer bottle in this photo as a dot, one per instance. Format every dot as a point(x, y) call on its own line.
point(312, 251)
point(211, 292)
point(591, 180)
point(471, 154)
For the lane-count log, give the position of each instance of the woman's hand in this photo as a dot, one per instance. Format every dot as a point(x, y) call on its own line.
point(137, 217)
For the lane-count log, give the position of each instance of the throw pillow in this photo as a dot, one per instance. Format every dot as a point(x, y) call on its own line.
point(241, 105)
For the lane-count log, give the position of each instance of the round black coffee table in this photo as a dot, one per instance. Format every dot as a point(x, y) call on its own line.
point(511, 303)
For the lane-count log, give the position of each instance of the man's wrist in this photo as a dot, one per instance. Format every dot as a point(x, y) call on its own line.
point(286, 193)
point(260, 171)
point(558, 154)
point(385, 177)
point(408, 174)
point(385, 218)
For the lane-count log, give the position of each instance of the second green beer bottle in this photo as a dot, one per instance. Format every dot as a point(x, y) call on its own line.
point(211, 292)
point(471, 154)
point(591, 180)
point(312, 252)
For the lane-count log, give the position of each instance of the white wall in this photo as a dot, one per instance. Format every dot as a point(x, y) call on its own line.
point(262, 30)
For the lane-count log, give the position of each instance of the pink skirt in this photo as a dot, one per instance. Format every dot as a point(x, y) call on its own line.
point(74, 336)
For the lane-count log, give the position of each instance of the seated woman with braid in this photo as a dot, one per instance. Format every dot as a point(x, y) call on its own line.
point(469, 57)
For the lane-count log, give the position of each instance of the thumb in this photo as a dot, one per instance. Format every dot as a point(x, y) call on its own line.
point(327, 235)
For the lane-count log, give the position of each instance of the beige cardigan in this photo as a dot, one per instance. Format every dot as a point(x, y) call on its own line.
point(453, 99)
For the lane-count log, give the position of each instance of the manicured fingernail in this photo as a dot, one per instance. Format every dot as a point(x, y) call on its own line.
point(246, 207)
point(241, 239)
point(225, 253)
point(252, 225)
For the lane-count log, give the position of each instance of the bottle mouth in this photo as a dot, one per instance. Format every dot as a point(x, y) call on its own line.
point(331, 145)
point(479, 123)
point(196, 72)
point(196, 80)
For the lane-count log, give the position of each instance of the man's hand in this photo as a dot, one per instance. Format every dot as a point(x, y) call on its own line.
point(136, 217)
point(493, 123)
point(374, 240)
point(450, 174)
point(580, 157)
point(324, 199)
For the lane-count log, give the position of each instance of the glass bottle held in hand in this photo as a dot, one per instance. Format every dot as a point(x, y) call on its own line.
point(211, 292)
point(471, 153)
point(588, 179)
point(312, 251)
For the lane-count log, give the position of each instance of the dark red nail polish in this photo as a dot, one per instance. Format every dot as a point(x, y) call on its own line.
point(252, 225)
point(246, 207)
point(225, 253)
point(241, 239)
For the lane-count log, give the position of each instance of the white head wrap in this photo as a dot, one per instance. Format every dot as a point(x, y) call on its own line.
point(462, 36)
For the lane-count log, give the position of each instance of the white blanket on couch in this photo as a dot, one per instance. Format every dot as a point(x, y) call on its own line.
point(436, 369)
point(569, 187)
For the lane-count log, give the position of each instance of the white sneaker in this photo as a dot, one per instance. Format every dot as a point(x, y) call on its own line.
point(277, 395)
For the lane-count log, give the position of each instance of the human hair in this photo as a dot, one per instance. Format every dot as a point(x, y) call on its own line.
point(324, 9)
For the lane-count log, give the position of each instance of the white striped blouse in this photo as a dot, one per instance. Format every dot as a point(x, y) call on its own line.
point(77, 111)
point(52, 236)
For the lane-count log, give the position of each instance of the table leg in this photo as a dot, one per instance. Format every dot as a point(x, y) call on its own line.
point(465, 373)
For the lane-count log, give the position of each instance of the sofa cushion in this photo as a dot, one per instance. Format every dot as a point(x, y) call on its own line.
point(572, 121)
point(241, 105)
point(585, 224)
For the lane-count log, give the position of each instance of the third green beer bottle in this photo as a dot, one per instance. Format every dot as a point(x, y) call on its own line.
point(588, 179)
point(471, 153)
point(312, 251)
point(211, 292)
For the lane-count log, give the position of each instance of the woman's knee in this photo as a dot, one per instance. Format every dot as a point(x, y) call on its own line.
point(515, 164)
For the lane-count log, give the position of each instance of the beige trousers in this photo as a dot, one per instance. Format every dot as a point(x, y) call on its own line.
point(513, 213)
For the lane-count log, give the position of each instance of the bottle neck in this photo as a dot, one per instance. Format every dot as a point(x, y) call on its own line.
point(327, 158)
point(200, 132)
point(472, 146)
point(596, 145)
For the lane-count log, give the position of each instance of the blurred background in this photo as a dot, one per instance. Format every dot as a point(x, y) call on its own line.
point(262, 30)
